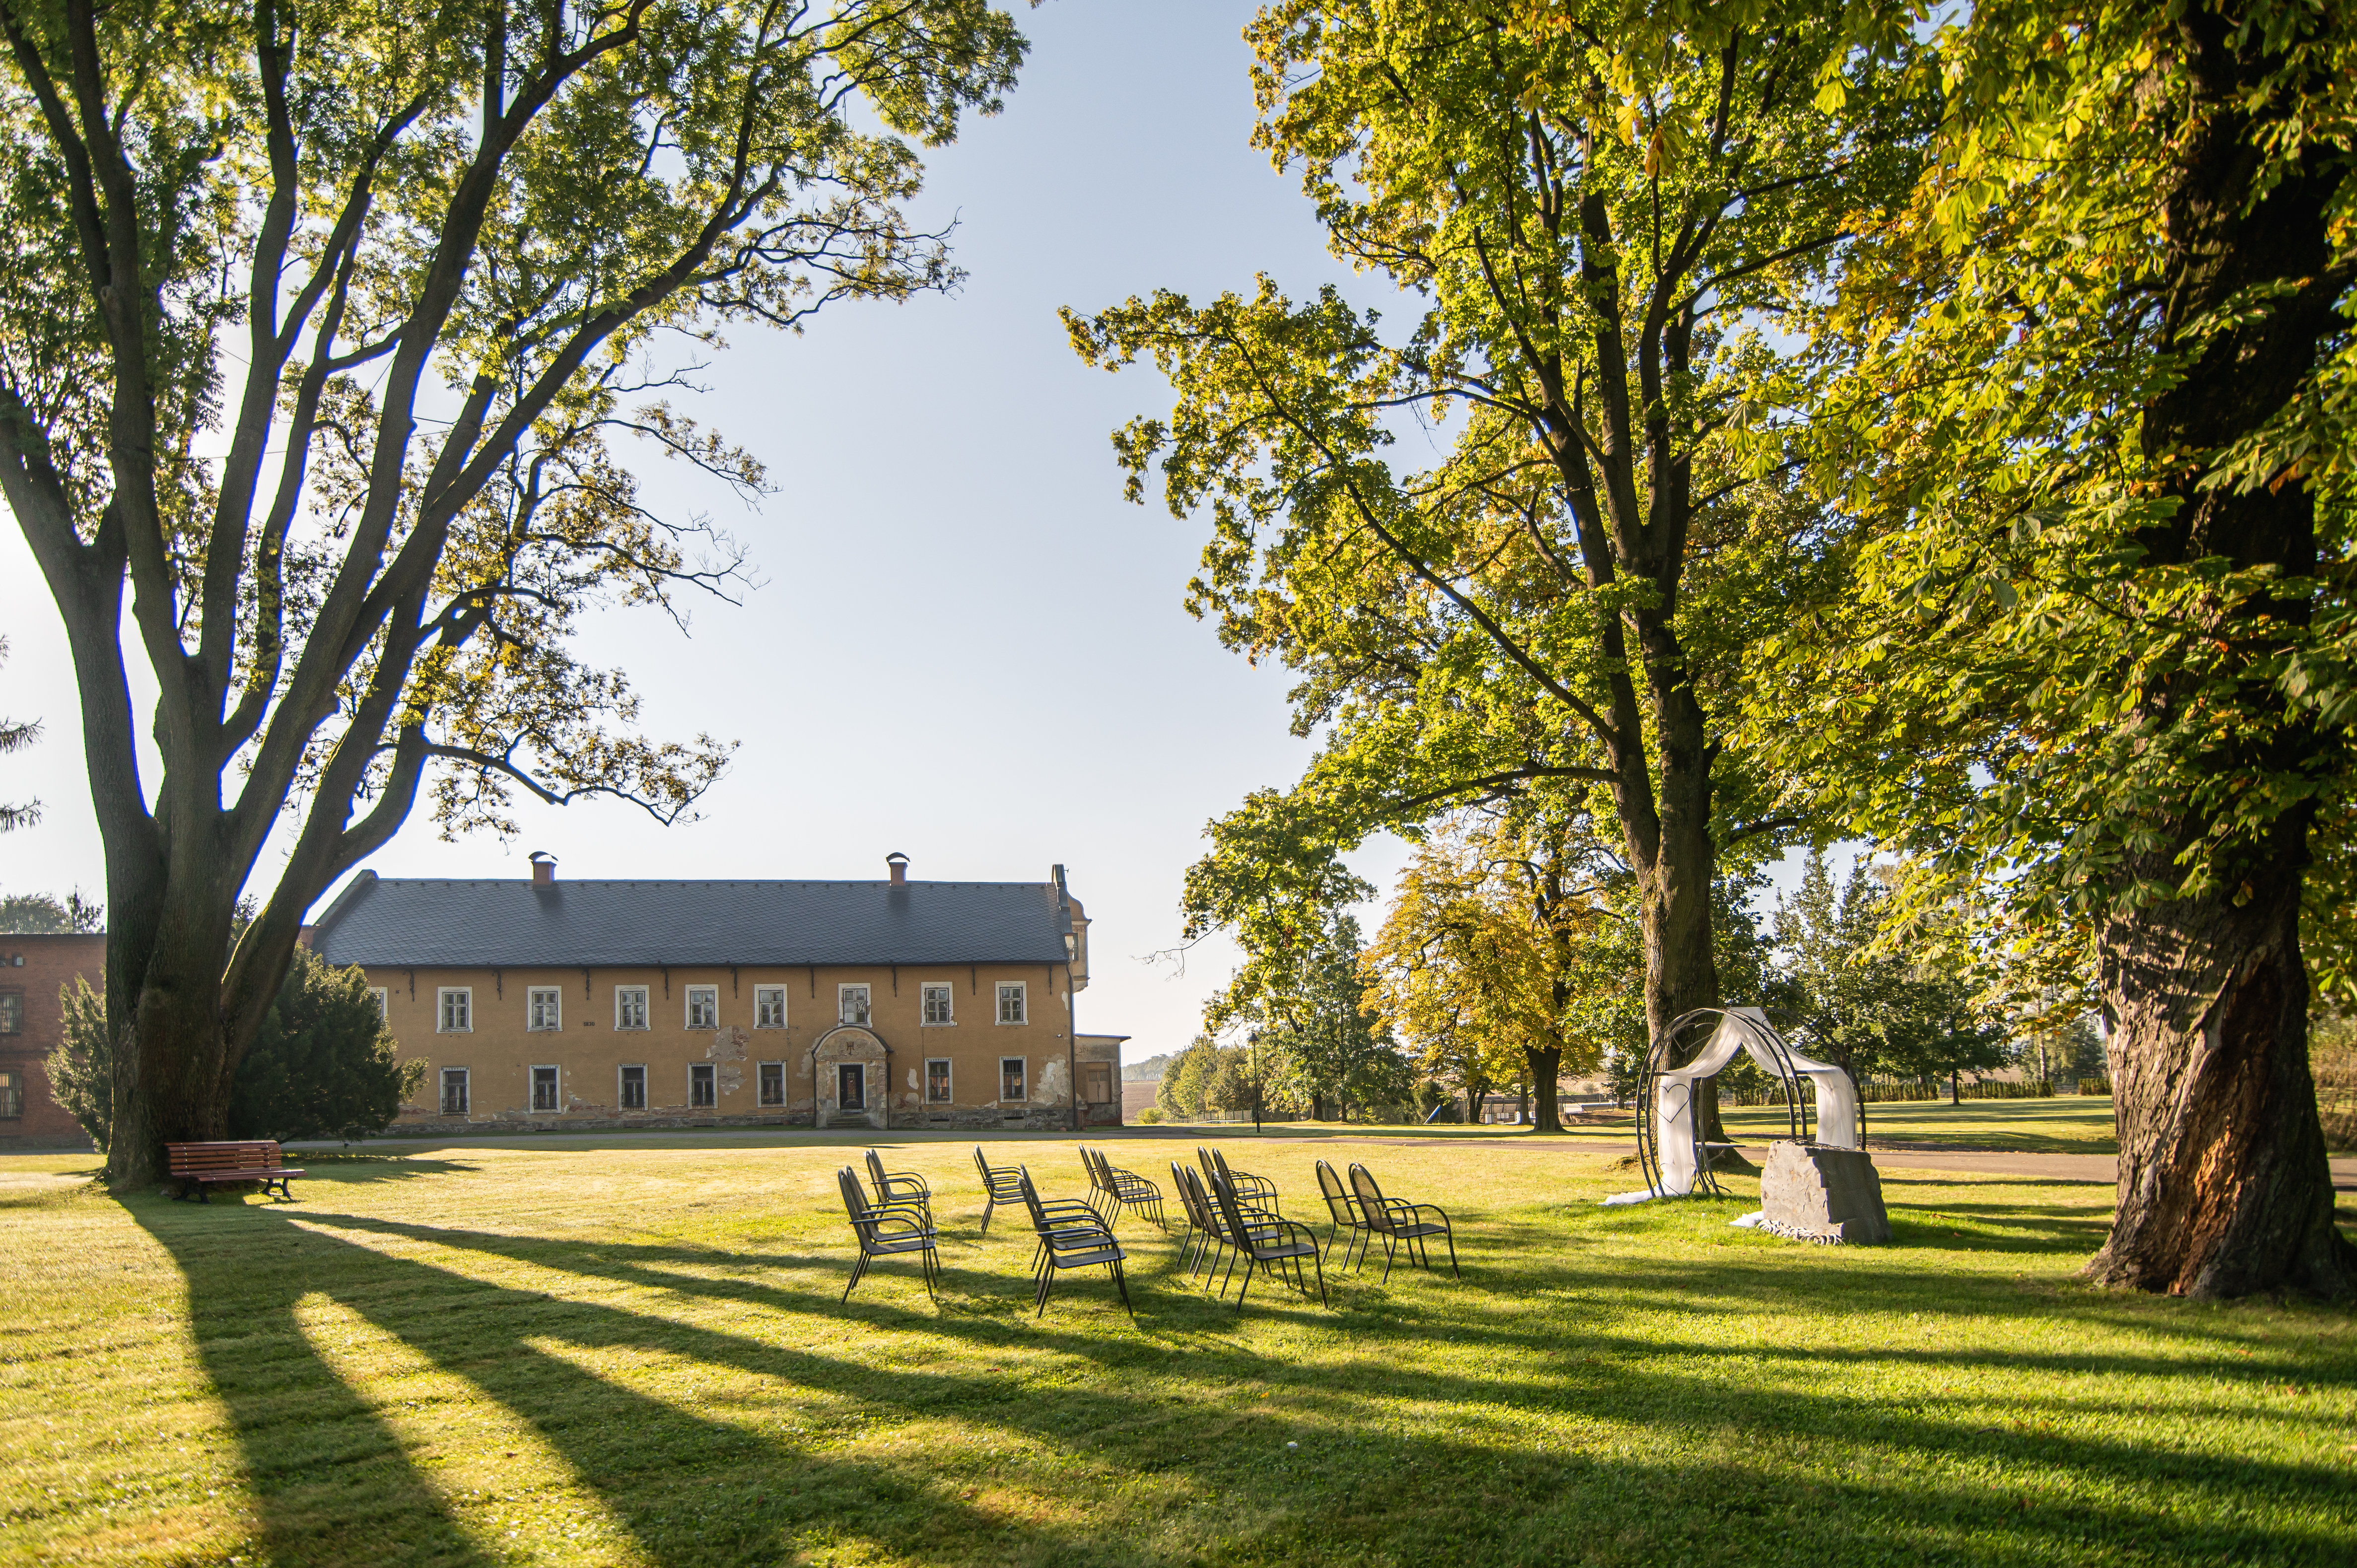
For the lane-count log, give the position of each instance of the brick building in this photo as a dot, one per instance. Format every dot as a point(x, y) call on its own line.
point(33, 970)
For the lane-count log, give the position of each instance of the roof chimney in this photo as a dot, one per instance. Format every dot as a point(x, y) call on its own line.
point(898, 865)
point(543, 869)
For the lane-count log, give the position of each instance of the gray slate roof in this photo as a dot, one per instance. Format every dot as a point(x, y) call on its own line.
point(509, 924)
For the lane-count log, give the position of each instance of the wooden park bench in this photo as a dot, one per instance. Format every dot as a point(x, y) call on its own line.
point(197, 1166)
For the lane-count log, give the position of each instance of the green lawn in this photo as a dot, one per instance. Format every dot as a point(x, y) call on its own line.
point(635, 1355)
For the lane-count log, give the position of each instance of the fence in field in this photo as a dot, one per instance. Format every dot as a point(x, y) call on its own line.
point(1903, 1090)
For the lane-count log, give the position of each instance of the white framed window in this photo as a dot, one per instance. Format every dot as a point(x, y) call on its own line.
point(383, 1003)
point(937, 1009)
point(630, 1090)
point(454, 1010)
point(629, 1007)
point(704, 1006)
point(544, 1089)
point(543, 1008)
point(1013, 1007)
point(769, 1006)
point(936, 1081)
point(454, 1091)
point(1010, 1078)
point(773, 1083)
point(700, 1094)
point(850, 1004)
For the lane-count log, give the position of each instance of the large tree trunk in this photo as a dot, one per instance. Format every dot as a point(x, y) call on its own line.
point(174, 1059)
point(2224, 1187)
point(1675, 862)
point(1544, 1066)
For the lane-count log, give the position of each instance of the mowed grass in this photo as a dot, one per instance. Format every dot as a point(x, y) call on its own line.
point(635, 1355)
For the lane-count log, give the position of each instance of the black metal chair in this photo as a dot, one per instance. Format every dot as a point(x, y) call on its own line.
point(1123, 1189)
point(1397, 1222)
point(1266, 1241)
point(899, 1187)
point(1218, 1239)
point(1341, 1212)
point(887, 1230)
point(1203, 1229)
point(1070, 1241)
point(1259, 1190)
point(999, 1186)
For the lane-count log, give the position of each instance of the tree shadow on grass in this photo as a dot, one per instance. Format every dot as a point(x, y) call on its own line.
point(1147, 1457)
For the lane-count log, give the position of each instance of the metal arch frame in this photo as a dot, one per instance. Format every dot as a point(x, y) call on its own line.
point(1798, 1111)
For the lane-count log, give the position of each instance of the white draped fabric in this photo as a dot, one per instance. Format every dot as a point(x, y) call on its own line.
point(1673, 1108)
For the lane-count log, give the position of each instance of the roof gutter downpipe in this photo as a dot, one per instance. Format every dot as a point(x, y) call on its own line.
point(1072, 1005)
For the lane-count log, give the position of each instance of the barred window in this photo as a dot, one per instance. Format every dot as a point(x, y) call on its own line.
point(634, 1088)
point(454, 1091)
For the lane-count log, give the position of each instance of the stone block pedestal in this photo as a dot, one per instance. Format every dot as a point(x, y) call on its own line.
point(1815, 1194)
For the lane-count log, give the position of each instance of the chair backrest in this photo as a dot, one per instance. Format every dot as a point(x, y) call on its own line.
point(1031, 1199)
point(1185, 1196)
point(876, 1171)
point(1094, 1164)
point(1371, 1199)
point(855, 1204)
point(1224, 1192)
point(1215, 1164)
point(1207, 1215)
point(981, 1164)
point(1339, 1206)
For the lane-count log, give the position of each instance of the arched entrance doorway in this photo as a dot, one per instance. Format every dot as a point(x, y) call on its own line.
point(853, 1077)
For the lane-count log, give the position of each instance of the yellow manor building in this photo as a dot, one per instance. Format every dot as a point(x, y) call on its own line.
point(577, 1004)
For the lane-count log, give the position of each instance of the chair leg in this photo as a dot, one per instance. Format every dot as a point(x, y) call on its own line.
point(1449, 1235)
point(1391, 1246)
point(1122, 1284)
point(858, 1267)
point(1249, 1263)
point(986, 1207)
point(1321, 1280)
point(1047, 1285)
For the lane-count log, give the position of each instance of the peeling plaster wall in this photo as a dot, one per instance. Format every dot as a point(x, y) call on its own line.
point(589, 1051)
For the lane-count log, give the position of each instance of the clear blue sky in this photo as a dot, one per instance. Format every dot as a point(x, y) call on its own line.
point(967, 647)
